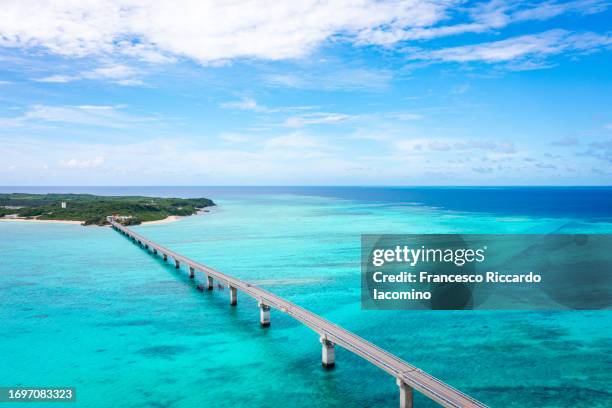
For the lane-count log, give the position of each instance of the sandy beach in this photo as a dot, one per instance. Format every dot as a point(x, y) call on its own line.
point(174, 218)
point(166, 220)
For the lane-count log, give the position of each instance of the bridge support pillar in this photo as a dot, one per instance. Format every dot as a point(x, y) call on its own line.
point(191, 272)
point(405, 394)
point(233, 296)
point(165, 257)
point(177, 264)
point(209, 282)
point(154, 251)
point(264, 314)
point(328, 353)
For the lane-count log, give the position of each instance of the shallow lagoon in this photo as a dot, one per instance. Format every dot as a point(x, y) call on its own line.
point(83, 307)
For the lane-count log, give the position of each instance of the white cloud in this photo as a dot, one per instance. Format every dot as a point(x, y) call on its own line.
point(292, 141)
point(116, 73)
point(286, 159)
point(213, 32)
point(307, 118)
point(483, 17)
point(518, 12)
point(280, 159)
point(129, 82)
point(288, 80)
point(405, 116)
point(60, 79)
point(244, 104)
point(336, 77)
point(316, 118)
point(536, 46)
point(250, 104)
point(333, 118)
point(206, 31)
point(96, 162)
point(440, 145)
point(372, 135)
point(93, 115)
point(234, 137)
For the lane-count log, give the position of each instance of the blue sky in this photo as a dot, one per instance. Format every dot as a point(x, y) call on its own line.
point(308, 93)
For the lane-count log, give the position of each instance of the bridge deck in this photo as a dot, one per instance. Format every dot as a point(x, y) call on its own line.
point(428, 385)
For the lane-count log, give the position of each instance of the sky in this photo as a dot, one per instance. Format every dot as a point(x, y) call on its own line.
point(338, 92)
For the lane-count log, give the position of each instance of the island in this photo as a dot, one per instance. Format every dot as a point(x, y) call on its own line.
point(93, 209)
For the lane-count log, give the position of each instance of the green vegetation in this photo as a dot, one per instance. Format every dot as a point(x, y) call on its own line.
point(92, 209)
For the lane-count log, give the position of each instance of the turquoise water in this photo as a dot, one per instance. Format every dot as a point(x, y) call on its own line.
point(84, 307)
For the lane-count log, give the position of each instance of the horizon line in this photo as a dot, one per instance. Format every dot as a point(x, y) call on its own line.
point(321, 185)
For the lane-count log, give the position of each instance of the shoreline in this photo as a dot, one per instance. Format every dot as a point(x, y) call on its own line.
point(41, 221)
point(167, 220)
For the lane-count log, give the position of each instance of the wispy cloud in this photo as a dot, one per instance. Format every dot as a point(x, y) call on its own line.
point(93, 115)
point(116, 73)
point(289, 158)
point(335, 118)
point(403, 116)
point(317, 118)
point(335, 78)
point(601, 150)
point(292, 141)
point(245, 104)
point(499, 13)
point(73, 163)
point(280, 159)
point(234, 137)
point(250, 104)
point(566, 141)
point(453, 145)
point(521, 48)
point(482, 17)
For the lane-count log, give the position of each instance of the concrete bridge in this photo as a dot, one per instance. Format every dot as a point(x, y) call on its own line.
point(407, 376)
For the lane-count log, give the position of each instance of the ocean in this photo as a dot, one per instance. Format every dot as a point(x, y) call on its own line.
point(83, 307)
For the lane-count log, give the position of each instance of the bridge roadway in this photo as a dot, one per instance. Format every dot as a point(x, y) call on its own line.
point(408, 377)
